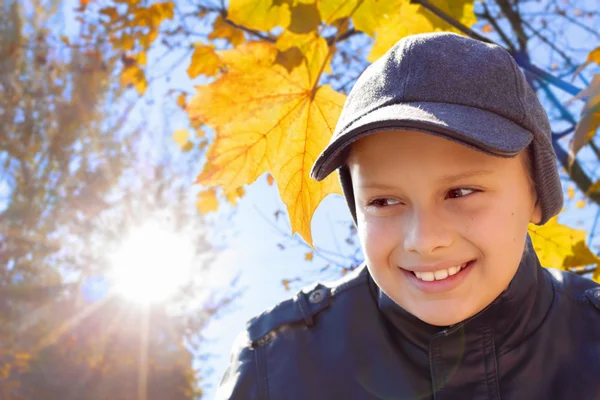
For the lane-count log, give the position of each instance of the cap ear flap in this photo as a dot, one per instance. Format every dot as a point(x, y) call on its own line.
point(346, 183)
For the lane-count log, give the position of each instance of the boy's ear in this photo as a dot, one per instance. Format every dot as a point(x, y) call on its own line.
point(536, 213)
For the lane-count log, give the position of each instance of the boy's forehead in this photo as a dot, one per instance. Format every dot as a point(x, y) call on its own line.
point(395, 142)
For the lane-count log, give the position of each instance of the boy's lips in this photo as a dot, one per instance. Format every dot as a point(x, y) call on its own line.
point(430, 286)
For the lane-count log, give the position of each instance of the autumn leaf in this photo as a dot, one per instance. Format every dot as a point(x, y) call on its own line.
point(206, 201)
point(367, 15)
point(580, 204)
point(204, 61)
point(134, 76)
point(223, 30)
point(141, 58)
point(233, 196)
point(181, 137)
point(593, 56)
point(311, 49)
point(181, 100)
point(461, 10)
point(590, 117)
point(270, 179)
point(309, 256)
point(286, 284)
point(268, 120)
point(304, 18)
point(594, 188)
point(404, 21)
point(559, 246)
point(570, 192)
point(262, 15)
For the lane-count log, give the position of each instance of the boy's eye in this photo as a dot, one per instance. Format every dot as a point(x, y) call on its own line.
point(382, 202)
point(460, 192)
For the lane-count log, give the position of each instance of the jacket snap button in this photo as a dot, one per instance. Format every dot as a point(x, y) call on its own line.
point(316, 296)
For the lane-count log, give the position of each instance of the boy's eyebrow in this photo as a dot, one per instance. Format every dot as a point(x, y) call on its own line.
point(463, 175)
point(445, 178)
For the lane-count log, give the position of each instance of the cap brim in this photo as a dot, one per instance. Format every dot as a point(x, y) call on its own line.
point(474, 127)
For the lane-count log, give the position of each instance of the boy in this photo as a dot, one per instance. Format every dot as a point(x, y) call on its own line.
point(445, 156)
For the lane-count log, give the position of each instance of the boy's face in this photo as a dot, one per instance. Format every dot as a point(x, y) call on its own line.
point(426, 204)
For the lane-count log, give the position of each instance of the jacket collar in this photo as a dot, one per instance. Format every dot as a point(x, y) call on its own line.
point(513, 315)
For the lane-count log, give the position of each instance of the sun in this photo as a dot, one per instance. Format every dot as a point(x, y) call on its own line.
point(151, 264)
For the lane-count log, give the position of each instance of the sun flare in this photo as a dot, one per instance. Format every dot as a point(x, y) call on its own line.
point(151, 264)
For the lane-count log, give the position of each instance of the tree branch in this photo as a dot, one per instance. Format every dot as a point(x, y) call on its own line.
point(486, 14)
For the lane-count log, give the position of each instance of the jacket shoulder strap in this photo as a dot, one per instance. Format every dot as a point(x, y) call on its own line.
point(593, 295)
point(302, 308)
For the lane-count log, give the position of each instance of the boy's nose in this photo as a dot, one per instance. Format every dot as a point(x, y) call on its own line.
point(424, 233)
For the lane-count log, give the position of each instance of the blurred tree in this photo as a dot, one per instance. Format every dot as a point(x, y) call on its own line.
point(72, 185)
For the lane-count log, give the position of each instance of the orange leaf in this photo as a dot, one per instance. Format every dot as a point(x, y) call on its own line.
point(270, 179)
point(268, 120)
point(181, 100)
point(487, 28)
point(309, 256)
point(134, 76)
point(222, 29)
point(204, 61)
point(207, 201)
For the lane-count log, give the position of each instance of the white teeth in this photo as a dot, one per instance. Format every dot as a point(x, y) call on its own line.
point(439, 275)
point(453, 270)
point(427, 276)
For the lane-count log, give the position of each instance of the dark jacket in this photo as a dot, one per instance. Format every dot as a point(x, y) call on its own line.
point(540, 339)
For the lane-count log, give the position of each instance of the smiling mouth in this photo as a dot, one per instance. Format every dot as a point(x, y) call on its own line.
point(442, 274)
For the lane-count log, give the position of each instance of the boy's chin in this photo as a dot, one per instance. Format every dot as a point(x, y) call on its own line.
point(442, 317)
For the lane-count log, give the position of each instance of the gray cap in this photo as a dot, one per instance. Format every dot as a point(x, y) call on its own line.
point(456, 87)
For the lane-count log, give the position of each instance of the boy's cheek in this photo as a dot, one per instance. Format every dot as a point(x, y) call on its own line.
point(379, 237)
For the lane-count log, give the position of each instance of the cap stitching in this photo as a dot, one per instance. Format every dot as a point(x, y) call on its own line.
point(408, 53)
point(519, 97)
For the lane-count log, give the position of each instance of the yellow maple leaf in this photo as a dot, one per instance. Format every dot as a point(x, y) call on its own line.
point(207, 201)
point(408, 19)
point(262, 15)
point(580, 204)
point(309, 256)
point(461, 10)
point(366, 14)
point(223, 30)
point(304, 18)
point(205, 61)
point(311, 49)
point(560, 246)
point(268, 120)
